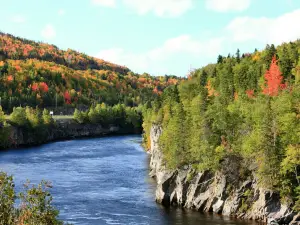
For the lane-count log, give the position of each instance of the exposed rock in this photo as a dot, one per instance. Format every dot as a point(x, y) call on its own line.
point(296, 220)
point(234, 201)
point(221, 192)
point(64, 129)
point(156, 155)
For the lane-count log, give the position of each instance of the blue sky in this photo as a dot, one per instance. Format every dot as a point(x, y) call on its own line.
point(155, 36)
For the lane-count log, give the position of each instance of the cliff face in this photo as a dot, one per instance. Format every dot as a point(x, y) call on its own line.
point(68, 129)
point(216, 192)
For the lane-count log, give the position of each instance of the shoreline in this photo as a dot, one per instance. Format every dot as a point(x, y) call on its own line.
point(214, 192)
point(20, 138)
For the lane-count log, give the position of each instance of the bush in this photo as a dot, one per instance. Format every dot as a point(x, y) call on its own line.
point(2, 117)
point(79, 116)
point(35, 204)
point(34, 117)
point(47, 118)
point(7, 199)
point(93, 117)
point(18, 116)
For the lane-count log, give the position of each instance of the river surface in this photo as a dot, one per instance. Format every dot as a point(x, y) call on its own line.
point(100, 181)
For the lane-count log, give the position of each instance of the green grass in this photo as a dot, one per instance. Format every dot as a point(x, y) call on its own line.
point(62, 117)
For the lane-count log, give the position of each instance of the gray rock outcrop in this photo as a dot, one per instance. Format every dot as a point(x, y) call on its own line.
point(215, 192)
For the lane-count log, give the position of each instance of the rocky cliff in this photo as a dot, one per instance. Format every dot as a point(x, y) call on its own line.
point(216, 192)
point(62, 130)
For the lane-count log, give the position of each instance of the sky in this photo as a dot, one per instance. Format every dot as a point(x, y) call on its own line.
point(154, 36)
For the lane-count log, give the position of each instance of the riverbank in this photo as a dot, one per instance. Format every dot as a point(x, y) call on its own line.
point(221, 192)
point(63, 129)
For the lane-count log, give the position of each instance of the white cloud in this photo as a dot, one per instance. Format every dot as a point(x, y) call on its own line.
point(161, 8)
point(156, 58)
point(61, 12)
point(185, 44)
point(18, 19)
point(267, 30)
point(227, 5)
point(120, 56)
point(106, 3)
point(176, 54)
point(48, 32)
point(165, 8)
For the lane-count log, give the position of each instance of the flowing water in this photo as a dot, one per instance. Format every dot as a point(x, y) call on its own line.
point(100, 181)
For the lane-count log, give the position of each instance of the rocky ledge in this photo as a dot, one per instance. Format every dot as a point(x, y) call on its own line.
point(62, 130)
point(216, 192)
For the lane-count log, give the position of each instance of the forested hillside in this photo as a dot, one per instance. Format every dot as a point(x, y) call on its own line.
point(245, 106)
point(38, 74)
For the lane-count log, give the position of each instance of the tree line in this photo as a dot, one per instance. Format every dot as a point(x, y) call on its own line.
point(38, 74)
point(244, 106)
point(120, 115)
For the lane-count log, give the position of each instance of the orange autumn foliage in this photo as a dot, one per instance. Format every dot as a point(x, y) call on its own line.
point(34, 87)
point(211, 90)
point(273, 78)
point(10, 78)
point(43, 87)
point(236, 96)
point(250, 93)
point(67, 97)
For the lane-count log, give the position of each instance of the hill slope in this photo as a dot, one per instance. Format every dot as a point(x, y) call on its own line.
point(242, 112)
point(39, 74)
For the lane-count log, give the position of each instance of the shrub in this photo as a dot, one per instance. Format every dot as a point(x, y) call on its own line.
point(2, 117)
point(18, 116)
point(47, 118)
point(35, 204)
point(79, 116)
point(7, 199)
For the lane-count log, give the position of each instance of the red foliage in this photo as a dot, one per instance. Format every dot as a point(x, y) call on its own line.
point(211, 90)
point(10, 78)
point(44, 87)
point(172, 81)
point(142, 80)
point(236, 96)
point(247, 54)
point(67, 97)
point(250, 93)
point(18, 68)
point(273, 78)
point(34, 87)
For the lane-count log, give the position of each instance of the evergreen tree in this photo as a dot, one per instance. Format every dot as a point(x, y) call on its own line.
point(286, 64)
point(173, 138)
point(18, 116)
point(269, 53)
point(2, 117)
point(92, 115)
point(47, 118)
point(238, 56)
point(220, 59)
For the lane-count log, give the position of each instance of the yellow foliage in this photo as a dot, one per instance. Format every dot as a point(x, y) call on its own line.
point(256, 56)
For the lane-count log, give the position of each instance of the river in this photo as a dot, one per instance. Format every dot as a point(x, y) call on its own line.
point(100, 181)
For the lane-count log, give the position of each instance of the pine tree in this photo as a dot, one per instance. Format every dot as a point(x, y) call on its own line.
point(92, 115)
point(220, 59)
point(238, 56)
point(18, 116)
point(47, 118)
point(173, 138)
point(2, 117)
point(270, 52)
point(286, 64)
